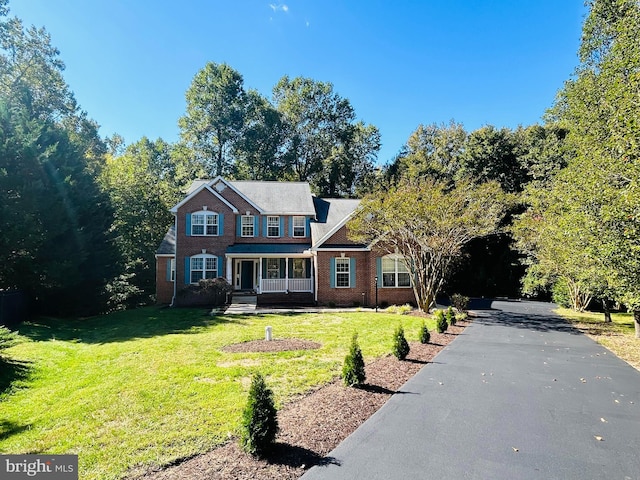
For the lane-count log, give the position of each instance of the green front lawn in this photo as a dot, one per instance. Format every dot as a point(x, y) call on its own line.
point(148, 386)
point(618, 336)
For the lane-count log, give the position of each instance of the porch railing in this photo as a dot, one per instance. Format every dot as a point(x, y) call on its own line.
point(268, 285)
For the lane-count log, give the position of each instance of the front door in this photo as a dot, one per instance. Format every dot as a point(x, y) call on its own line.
point(246, 274)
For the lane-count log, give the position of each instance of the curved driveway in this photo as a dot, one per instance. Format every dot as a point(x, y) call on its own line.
point(520, 395)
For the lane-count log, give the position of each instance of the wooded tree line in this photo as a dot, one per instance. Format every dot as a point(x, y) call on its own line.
point(82, 216)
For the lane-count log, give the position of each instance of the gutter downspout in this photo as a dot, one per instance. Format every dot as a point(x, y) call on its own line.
point(175, 259)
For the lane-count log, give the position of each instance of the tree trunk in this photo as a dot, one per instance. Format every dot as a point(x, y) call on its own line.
point(636, 321)
point(607, 310)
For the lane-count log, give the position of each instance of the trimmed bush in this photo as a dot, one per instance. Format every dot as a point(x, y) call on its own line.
point(353, 368)
point(450, 316)
point(425, 336)
point(400, 344)
point(460, 302)
point(259, 418)
point(441, 322)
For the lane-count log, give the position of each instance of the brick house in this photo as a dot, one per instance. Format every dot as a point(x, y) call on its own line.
point(278, 240)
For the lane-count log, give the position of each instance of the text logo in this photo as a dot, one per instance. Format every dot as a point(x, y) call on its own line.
point(49, 467)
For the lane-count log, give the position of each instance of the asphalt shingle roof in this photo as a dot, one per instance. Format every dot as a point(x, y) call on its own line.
point(168, 245)
point(330, 213)
point(293, 198)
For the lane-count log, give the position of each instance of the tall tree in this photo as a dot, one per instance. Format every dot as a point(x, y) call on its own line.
point(261, 152)
point(327, 147)
point(600, 108)
point(428, 223)
point(215, 116)
point(142, 187)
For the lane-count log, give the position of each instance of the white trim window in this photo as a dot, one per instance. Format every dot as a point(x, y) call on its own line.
point(343, 272)
point(204, 224)
point(247, 226)
point(395, 272)
point(273, 226)
point(273, 268)
point(299, 227)
point(203, 266)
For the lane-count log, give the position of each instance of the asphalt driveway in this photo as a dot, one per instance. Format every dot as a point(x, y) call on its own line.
point(520, 395)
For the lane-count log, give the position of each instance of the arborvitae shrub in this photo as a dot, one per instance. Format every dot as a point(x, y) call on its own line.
point(450, 316)
point(353, 368)
point(441, 322)
point(425, 336)
point(259, 419)
point(400, 344)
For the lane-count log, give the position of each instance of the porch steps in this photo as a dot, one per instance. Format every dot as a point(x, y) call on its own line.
point(242, 303)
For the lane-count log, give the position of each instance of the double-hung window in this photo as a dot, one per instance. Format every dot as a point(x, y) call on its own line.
point(395, 272)
point(299, 268)
point(273, 268)
point(203, 266)
point(204, 223)
point(273, 226)
point(247, 226)
point(299, 227)
point(343, 272)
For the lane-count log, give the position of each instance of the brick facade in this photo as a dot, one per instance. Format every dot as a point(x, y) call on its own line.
point(164, 287)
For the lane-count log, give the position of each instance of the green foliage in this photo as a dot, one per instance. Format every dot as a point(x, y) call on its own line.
point(353, 368)
point(400, 346)
point(207, 292)
point(428, 223)
point(399, 309)
point(259, 418)
point(441, 321)
point(450, 316)
point(424, 334)
point(560, 293)
point(460, 302)
point(7, 339)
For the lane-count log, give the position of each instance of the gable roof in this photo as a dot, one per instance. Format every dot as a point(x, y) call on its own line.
point(278, 198)
point(332, 214)
point(269, 198)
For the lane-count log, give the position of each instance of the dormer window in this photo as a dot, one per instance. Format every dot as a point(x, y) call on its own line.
point(204, 223)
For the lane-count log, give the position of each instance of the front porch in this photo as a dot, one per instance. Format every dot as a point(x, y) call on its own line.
point(268, 273)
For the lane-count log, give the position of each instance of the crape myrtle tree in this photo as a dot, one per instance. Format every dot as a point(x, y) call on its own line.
point(428, 223)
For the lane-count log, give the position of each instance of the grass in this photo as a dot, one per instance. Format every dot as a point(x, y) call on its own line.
point(146, 387)
point(618, 336)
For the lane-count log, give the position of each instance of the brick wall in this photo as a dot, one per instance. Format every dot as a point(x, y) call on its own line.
point(164, 288)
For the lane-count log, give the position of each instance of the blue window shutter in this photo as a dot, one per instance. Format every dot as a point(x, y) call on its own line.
point(308, 267)
point(239, 226)
point(256, 226)
point(264, 268)
point(332, 273)
point(352, 273)
point(221, 266)
point(188, 231)
point(308, 225)
point(281, 226)
point(264, 227)
point(379, 270)
point(220, 224)
point(168, 269)
point(187, 270)
point(283, 267)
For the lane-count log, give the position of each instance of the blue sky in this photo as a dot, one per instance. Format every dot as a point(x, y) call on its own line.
point(400, 63)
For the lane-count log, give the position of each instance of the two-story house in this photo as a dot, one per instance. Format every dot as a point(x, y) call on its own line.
point(275, 239)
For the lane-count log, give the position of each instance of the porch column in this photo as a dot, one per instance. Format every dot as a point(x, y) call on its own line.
point(230, 271)
point(286, 273)
point(259, 275)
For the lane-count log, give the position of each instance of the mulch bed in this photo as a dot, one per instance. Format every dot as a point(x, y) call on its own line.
point(312, 425)
point(275, 345)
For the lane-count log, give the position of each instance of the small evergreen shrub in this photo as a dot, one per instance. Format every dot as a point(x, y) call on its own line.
point(441, 322)
point(460, 302)
point(450, 316)
point(400, 344)
point(353, 368)
point(425, 336)
point(399, 309)
point(259, 418)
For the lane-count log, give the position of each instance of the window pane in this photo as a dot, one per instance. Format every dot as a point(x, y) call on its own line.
point(196, 263)
point(342, 280)
point(273, 226)
point(342, 265)
point(298, 226)
point(404, 280)
point(388, 265)
point(273, 268)
point(299, 268)
point(388, 279)
point(197, 219)
point(196, 275)
point(210, 274)
point(247, 225)
point(211, 263)
point(342, 272)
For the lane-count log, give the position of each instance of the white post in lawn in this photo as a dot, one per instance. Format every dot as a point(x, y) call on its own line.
point(267, 334)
